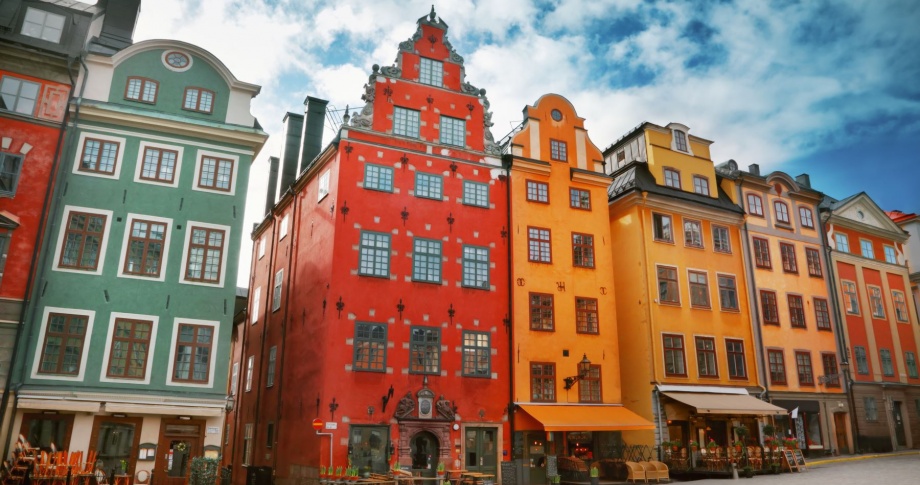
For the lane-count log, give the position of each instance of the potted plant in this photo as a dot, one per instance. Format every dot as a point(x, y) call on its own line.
point(748, 472)
point(595, 475)
point(712, 445)
point(441, 471)
point(322, 475)
point(694, 445)
point(738, 445)
point(775, 467)
point(665, 445)
point(556, 479)
point(769, 431)
point(741, 432)
point(790, 443)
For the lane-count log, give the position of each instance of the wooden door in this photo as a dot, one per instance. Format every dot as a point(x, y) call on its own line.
point(481, 450)
point(840, 425)
point(180, 441)
point(115, 440)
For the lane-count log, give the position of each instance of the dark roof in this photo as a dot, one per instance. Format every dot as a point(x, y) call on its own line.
point(635, 176)
point(629, 135)
point(833, 204)
point(75, 5)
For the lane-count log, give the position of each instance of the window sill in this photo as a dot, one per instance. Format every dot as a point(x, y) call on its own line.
point(784, 226)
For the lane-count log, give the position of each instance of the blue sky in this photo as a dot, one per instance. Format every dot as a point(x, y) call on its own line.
point(829, 88)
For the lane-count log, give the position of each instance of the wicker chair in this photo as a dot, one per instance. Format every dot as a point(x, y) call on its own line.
point(657, 470)
point(636, 471)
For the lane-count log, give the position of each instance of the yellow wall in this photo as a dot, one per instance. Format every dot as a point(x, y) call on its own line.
point(660, 156)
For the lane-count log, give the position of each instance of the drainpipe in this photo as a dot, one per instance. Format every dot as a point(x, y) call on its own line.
point(651, 338)
point(507, 165)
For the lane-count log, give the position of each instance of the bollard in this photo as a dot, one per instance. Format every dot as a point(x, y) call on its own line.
point(734, 471)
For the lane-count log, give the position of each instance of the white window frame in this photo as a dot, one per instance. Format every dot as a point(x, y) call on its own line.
point(44, 25)
point(118, 157)
point(212, 369)
point(675, 127)
point(234, 379)
point(261, 247)
point(124, 246)
point(862, 248)
point(841, 239)
point(890, 250)
point(249, 365)
point(256, 303)
point(110, 334)
point(62, 229)
point(276, 290)
point(223, 254)
point(199, 158)
point(35, 102)
point(177, 171)
point(283, 228)
point(46, 313)
point(323, 189)
point(18, 159)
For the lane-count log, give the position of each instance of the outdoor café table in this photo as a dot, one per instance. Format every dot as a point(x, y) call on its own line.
point(122, 479)
point(455, 476)
point(476, 477)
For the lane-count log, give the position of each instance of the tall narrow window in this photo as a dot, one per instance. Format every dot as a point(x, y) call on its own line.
point(728, 292)
point(370, 347)
point(701, 185)
point(589, 386)
point(706, 357)
point(890, 256)
point(83, 235)
point(270, 373)
point(674, 364)
point(900, 306)
point(216, 174)
point(865, 246)
point(205, 254)
point(99, 156)
point(405, 122)
point(579, 199)
point(538, 244)
point(787, 252)
point(662, 228)
point(62, 351)
point(247, 444)
point(586, 320)
point(234, 379)
point(145, 248)
point(862, 362)
point(806, 218)
point(842, 242)
point(831, 376)
point(693, 234)
point(276, 290)
point(887, 364)
point(762, 253)
point(541, 312)
point(426, 260)
point(737, 369)
point(672, 178)
point(193, 353)
point(822, 314)
point(667, 285)
point(850, 298)
point(141, 89)
point(558, 150)
point(453, 131)
point(431, 72)
point(777, 367)
point(796, 311)
point(699, 289)
point(768, 309)
point(680, 140)
point(537, 192)
point(476, 267)
point(782, 212)
point(803, 365)
point(425, 350)
point(720, 239)
point(159, 165)
point(10, 168)
point(583, 250)
point(910, 360)
point(542, 382)
point(871, 408)
point(477, 354)
point(875, 302)
point(256, 305)
point(374, 254)
point(198, 99)
point(755, 205)
point(250, 362)
point(814, 262)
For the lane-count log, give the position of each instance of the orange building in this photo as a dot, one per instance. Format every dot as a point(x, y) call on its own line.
point(687, 347)
point(566, 366)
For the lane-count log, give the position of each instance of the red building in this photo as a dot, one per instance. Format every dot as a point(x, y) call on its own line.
point(379, 287)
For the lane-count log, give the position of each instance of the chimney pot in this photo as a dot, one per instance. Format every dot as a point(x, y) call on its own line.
point(754, 169)
point(804, 180)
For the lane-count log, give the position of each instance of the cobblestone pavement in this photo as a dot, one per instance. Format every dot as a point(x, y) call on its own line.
point(888, 470)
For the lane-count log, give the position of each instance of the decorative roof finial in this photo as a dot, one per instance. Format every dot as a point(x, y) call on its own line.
point(432, 14)
point(346, 117)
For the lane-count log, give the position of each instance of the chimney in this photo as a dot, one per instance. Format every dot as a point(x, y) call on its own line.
point(119, 22)
point(272, 184)
point(290, 152)
point(754, 169)
point(312, 139)
point(804, 180)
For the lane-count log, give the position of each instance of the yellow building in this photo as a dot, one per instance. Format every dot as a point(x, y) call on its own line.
point(566, 366)
point(687, 349)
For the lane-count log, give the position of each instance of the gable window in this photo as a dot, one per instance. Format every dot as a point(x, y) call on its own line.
point(216, 173)
point(661, 226)
point(205, 254)
point(768, 309)
point(62, 350)
point(782, 212)
point(911, 362)
point(589, 386)
point(370, 347)
point(83, 241)
point(256, 305)
point(541, 312)
point(475, 194)
point(579, 199)
point(537, 191)
point(425, 350)
point(720, 239)
point(787, 253)
point(672, 178)
point(378, 177)
point(476, 267)
point(736, 366)
point(374, 254)
point(43, 25)
point(829, 361)
point(900, 306)
point(193, 353)
point(667, 285)
point(803, 366)
point(871, 408)
point(453, 131)
point(875, 302)
point(755, 205)
point(699, 289)
point(426, 260)
point(582, 250)
point(405, 122)
point(674, 364)
point(542, 382)
point(822, 314)
point(19, 95)
point(701, 185)
point(159, 164)
point(141, 89)
point(850, 298)
point(276, 290)
point(10, 166)
point(198, 99)
point(777, 366)
point(890, 256)
point(428, 186)
point(99, 156)
point(693, 234)
point(477, 354)
point(887, 365)
point(431, 72)
point(728, 292)
point(706, 357)
point(762, 253)
point(796, 311)
point(865, 247)
point(586, 320)
point(249, 365)
point(145, 249)
point(680, 140)
point(558, 150)
point(806, 218)
point(862, 361)
point(538, 245)
point(843, 242)
point(814, 262)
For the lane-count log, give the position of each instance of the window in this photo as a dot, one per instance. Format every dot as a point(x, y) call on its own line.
point(736, 366)
point(822, 314)
point(541, 312)
point(428, 186)
point(693, 234)
point(538, 244)
point(871, 408)
point(10, 166)
point(142, 90)
point(453, 131)
point(216, 173)
point(787, 253)
point(579, 199)
point(62, 351)
point(862, 363)
point(680, 140)
point(866, 248)
point(706, 357)
point(269, 434)
point(19, 95)
point(425, 350)
point(198, 99)
point(558, 150)
point(589, 386)
point(374, 254)
point(661, 225)
point(370, 347)
point(261, 247)
point(782, 212)
point(276, 290)
point(234, 379)
point(667, 285)
point(674, 355)
point(159, 165)
point(270, 373)
point(145, 248)
point(586, 320)
point(426, 260)
point(814, 262)
point(843, 242)
point(806, 218)
point(831, 375)
point(129, 351)
point(405, 122)
point(322, 189)
point(672, 178)
point(701, 185)
point(803, 366)
point(537, 192)
point(542, 382)
point(755, 205)
point(762, 253)
point(99, 156)
point(476, 267)
point(43, 25)
point(249, 364)
point(900, 306)
point(875, 302)
point(720, 239)
point(768, 309)
point(193, 353)
point(777, 366)
point(911, 362)
point(477, 354)
point(887, 365)
point(83, 241)
point(431, 72)
point(890, 256)
point(247, 444)
point(850, 299)
point(205, 254)
point(377, 177)
point(582, 250)
point(256, 305)
point(728, 292)
point(283, 228)
point(796, 311)
point(476, 194)
point(699, 289)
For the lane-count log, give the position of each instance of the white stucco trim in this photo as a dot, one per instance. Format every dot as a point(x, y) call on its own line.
point(172, 351)
point(40, 343)
point(223, 255)
point(63, 229)
point(124, 247)
point(686, 131)
point(118, 157)
point(177, 171)
point(233, 175)
point(155, 320)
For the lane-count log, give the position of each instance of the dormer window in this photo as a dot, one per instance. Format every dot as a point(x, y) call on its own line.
point(680, 140)
point(198, 99)
point(141, 89)
point(43, 25)
point(431, 72)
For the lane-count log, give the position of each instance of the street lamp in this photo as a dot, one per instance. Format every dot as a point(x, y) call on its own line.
point(584, 367)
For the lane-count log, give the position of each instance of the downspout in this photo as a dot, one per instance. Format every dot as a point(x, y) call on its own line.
point(752, 302)
point(39, 236)
point(509, 328)
point(656, 395)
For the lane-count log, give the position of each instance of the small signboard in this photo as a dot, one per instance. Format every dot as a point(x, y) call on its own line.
point(551, 466)
point(332, 425)
point(799, 460)
point(794, 460)
point(508, 475)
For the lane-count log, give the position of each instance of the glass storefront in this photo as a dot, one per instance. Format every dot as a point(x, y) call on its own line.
point(367, 446)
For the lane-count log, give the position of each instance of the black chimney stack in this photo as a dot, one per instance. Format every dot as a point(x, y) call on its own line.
point(312, 140)
point(754, 169)
point(290, 152)
point(804, 180)
point(272, 184)
point(119, 22)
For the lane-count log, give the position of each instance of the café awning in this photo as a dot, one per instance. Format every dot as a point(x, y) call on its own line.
point(575, 417)
point(736, 404)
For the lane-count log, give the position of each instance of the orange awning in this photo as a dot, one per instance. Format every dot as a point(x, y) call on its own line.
point(575, 417)
point(735, 404)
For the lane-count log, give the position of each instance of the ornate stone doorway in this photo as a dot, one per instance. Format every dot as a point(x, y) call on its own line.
point(424, 431)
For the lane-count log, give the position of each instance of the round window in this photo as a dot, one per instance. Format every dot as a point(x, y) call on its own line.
point(556, 114)
point(177, 59)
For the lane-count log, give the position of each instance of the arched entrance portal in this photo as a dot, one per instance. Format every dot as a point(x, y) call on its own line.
point(425, 449)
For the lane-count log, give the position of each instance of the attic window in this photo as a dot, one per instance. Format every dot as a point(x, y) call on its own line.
point(141, 89)
point(177, 59)
point(198, 99)
point(431, 72)
point(43, 25)
point(680, 140)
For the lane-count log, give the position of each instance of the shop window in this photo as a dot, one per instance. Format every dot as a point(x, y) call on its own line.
point(368, 445)
point(40, 430)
